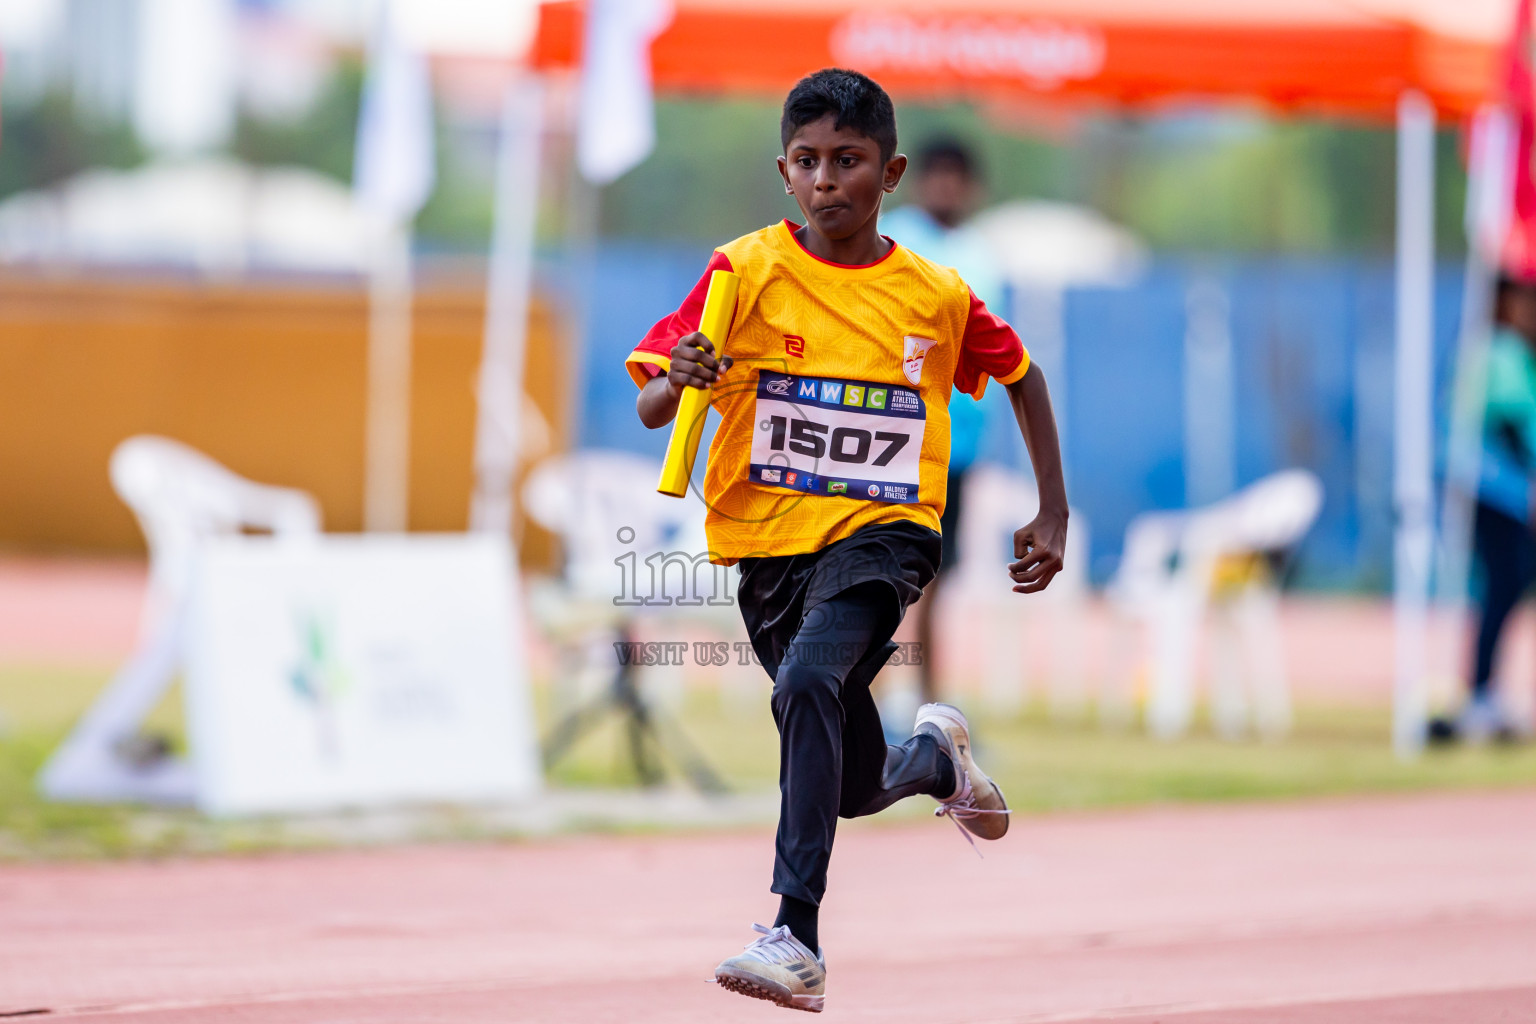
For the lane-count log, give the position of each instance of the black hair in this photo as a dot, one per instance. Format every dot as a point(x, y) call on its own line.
point(855, 101)
point(948, 153)
point(1506, 285)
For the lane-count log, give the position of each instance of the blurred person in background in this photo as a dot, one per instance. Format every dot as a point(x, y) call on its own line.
point(1504, 541)
point(948, 189)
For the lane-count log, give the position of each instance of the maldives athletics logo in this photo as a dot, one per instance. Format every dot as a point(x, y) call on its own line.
point(913, 351)
point(320, 679)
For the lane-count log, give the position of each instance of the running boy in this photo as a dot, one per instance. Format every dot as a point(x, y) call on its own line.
point(825, 485)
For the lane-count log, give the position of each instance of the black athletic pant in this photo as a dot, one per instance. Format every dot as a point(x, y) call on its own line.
point(1506, 550)
point(833, 758)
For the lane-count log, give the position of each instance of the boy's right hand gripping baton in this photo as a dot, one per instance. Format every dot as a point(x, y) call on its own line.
point(693, 407)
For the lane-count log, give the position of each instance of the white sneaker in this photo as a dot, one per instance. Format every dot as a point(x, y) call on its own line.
point(977, 804)
point(1484, 719)
point(779, 968)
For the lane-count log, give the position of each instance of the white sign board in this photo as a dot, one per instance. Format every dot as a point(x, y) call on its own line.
point(345, 671)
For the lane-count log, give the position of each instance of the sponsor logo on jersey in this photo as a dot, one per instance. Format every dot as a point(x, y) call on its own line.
point(789, 478)
point(848, 395)
point(913, 351)
point(874, 490)
point(794, 345)
point(837, 487)
point(771, 476)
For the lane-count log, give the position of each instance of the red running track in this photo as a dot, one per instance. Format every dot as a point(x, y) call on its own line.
point(1407, 910)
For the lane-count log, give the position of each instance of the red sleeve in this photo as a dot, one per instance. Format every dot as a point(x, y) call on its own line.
point(654, 353)
point(990, 348)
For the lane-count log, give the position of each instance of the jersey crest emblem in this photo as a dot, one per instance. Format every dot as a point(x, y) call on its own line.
point(913, 351)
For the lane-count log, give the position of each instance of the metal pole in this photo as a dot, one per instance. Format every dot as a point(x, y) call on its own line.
point(1489, 191)
point(508, 285)
point(1412, 487)
point(386, 499)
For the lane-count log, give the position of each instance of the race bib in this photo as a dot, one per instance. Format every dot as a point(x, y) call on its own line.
point(821, 435)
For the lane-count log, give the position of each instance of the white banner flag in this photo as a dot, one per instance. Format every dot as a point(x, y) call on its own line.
point(618, 121)
point(393, 169)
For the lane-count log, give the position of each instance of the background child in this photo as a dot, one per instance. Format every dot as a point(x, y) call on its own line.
point(937, 228)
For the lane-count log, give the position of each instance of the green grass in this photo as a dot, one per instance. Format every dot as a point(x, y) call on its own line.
point(37, 706)
point(1332, 751)
point(1044, 766)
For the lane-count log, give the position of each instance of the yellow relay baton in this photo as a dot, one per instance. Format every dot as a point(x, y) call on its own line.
point(693, 407)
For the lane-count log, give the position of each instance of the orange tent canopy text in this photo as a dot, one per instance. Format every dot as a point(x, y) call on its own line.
point(1325, 56)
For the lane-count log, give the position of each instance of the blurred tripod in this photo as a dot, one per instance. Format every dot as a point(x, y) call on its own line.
point(652, 735)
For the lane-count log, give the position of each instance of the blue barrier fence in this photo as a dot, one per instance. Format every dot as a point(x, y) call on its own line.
point(1312, 380)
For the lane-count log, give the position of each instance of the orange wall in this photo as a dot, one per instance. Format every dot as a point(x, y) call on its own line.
point(267, 379)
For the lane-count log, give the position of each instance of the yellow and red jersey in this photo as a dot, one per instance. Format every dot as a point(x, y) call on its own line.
point(835, 412)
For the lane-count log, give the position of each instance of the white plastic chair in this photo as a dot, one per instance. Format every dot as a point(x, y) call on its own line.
point(1169, 580)
point(604, 507)
point(181, 499)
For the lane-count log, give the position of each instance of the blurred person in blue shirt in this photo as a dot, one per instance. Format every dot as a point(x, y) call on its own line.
point(948, 189)
point(1504, 531)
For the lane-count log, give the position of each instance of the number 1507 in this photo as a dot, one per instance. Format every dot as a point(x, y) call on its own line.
point(847, 444)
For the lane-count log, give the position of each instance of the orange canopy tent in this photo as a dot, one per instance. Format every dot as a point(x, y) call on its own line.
point(1353, 57)
point(1414, 61)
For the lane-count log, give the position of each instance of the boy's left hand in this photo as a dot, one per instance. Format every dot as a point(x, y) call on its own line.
point(1039, 548)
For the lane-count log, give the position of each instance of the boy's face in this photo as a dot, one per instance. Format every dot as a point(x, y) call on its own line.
point(837, 177)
